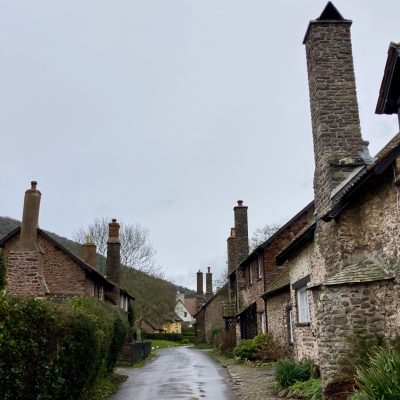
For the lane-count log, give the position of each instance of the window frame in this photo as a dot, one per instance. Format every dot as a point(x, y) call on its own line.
point(260, 260)
point(250, 276)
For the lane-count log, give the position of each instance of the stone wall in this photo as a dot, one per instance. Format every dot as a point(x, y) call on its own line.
point(361, 309)
point(213, 314)
point(23, 273)
point(277, 322)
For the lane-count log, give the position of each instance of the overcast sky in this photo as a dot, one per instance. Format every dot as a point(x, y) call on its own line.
point(165, 112)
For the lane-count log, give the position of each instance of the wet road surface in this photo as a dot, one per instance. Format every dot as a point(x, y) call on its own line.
point(177, 373)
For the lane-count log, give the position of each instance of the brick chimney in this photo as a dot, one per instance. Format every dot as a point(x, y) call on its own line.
point(209, 289)
point(199, 293)
point(88, 252)
point(113, 262)
point(231, 249)
point(241, 232)
point(30, 220)
point(338, 145)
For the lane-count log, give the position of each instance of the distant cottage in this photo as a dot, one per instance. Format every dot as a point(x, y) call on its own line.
point(39, 266)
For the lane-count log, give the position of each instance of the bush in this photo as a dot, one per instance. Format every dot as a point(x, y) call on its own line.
point(261, 347)
point(245, 349)
point(50, 351)
point(310, 390)
point(267, 349)
point(287, 372)
point(173, 337)
point(358, 352)
point(3, 271)
point(381, 379)
point(226, 342)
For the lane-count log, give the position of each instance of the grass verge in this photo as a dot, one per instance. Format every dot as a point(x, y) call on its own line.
point(106, 387)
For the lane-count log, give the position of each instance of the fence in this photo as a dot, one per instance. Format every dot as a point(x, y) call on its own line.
point(133, 352)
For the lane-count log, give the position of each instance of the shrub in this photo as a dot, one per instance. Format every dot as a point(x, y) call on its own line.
point(287, 372)
point(267, 349)
point(226, 342)
point(245, 349)
point(173, 337)
point(50, 351)
point(381, 379)
point(359, 349)
point(310, 389)
point(3, 271)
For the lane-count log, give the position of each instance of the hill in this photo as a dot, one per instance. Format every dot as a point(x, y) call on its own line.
point(7, 224)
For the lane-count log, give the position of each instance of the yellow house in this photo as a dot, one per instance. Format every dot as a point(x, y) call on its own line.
point(173, 324)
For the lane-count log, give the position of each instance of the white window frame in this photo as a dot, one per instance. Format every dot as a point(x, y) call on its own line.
point(263, 322)
point(259, 266)
point(303, 309)
point(290, 323)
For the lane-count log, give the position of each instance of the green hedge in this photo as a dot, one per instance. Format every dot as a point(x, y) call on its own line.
point(173, 337)
point(50, 351)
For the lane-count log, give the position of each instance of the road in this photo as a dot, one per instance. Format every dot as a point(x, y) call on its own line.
point(177, 373)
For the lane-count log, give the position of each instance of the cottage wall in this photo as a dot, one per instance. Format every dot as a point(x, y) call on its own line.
point(277, 318)
point(60, 273)
point(213, 314)
point(302, 265)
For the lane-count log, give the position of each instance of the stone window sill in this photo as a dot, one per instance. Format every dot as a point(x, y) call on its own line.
point(302, 324)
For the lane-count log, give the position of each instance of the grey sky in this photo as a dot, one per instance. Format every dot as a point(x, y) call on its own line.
point(167, 112)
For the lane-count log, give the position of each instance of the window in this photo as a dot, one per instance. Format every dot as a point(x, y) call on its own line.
point(185, 314)
point(303, 313)
point(263, 323)
point(290, 325)
point(259, 266)
point(302, 305)
point(250, 276)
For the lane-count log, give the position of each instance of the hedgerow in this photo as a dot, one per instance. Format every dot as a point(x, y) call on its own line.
point(59, 352)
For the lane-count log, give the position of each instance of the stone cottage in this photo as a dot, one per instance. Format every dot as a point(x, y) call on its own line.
point(39, 266)
point(184, 309)
point(343, 267)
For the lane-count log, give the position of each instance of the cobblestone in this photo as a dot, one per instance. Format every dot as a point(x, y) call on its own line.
point(249, 383)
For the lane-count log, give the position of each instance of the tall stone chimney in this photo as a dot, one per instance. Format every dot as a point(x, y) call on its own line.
point(88, 252)
point(113, 262)
point(231, 249)
point(338, 145)
point(25, 263)
point(209, 289)
point(199, 293)
point(241, 232)
point(30, 220)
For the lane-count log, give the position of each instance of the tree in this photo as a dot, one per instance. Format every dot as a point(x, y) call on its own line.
point(140, 275)
point(136, 250)
point(260, 235)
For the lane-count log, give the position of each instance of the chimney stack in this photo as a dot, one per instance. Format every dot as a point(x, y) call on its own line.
point(200, 283)
point(30, 220)
point(231, 249)
point(338, 145)
point(241, 232)
point(199, 293)
point(209, 290)
point(88, 252)
point(113, 263)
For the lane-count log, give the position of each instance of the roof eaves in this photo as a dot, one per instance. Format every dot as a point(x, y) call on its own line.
point(276, 235)
point(298, 242)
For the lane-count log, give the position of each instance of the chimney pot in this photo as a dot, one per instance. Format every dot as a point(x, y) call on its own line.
point(208, 268)
point(240, 203)
point(33, 185)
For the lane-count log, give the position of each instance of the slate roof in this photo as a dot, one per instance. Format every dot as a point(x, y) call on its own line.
point(365, 270)
point(279, 284)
